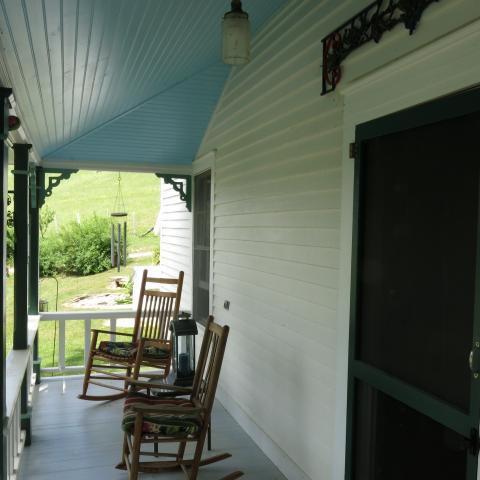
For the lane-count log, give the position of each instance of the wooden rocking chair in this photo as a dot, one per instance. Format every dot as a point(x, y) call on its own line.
point(149, 343)
point(152, 419)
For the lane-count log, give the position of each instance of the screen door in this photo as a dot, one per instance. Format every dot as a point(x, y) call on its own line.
point(413, 387)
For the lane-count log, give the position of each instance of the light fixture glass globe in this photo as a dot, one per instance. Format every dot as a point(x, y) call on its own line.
point(236, 37)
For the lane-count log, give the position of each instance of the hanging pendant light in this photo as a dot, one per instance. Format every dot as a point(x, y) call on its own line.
point(236, 35)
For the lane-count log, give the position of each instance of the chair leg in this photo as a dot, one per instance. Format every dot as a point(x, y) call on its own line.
point(181, 451)
point(197, 456)
point(123, 461)
point(88, 367)
point(135, 453)
point(88, 372)
point(209, 437)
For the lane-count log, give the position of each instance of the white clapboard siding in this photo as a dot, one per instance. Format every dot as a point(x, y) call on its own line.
point(176, 240)
point(276, 245)
point(276, 242)
point(280, 227)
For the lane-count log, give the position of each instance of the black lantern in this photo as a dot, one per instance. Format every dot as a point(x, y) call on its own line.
point(183, 331)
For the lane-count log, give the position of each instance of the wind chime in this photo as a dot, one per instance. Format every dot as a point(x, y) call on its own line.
point(118, 245)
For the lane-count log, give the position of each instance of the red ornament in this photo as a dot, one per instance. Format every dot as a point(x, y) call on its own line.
point(13, 123)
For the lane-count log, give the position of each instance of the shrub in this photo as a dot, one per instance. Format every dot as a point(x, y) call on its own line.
point(10, 231)
point(86, 246)
point(10, 244)
point(51, 256)
point(156, 255)
point(79, 249)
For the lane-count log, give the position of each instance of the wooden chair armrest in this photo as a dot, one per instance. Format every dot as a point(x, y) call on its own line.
point(159, 386)
point(167, 409)
point(110, 332)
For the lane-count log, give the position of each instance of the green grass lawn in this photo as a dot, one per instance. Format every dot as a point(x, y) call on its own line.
point(89, 192)
point(85, 193)
point(69, 288)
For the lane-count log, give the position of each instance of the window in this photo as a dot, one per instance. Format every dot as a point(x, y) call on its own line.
point(201, 247)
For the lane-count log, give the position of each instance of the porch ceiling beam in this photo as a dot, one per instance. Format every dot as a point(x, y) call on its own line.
point(114, 166)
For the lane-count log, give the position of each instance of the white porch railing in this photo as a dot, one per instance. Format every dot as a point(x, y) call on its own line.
point(19, 366)
point(87, 317)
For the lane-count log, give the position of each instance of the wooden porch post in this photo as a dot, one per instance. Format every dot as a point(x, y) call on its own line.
point(21, 261)
point(4, 94)
point(20, 257)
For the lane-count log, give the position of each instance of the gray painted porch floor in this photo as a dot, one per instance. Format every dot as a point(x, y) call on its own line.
point(76, 439)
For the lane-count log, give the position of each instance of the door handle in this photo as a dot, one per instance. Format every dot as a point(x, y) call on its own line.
point(473, 360)
point(472, 444)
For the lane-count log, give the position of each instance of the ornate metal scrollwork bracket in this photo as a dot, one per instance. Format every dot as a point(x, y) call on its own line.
point(183, 187)
point(45, 185)
point(369, 24)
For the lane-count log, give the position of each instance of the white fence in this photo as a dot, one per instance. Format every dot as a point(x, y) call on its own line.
point(19, 366)
point(111, 316)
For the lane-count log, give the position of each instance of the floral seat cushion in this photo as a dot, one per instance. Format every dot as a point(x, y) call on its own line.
point(118, 349)
point(129, 350)
point(166, 424)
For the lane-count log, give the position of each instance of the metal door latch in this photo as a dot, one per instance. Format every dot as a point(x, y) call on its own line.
point(473, 443)
point(473, 360)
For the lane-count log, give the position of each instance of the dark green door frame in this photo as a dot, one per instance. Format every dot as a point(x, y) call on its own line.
point(446, 108)
point(4, 94)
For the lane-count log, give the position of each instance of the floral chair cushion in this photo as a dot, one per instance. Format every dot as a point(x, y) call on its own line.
point(129, 350)
point(166, 424)
point(118, 349)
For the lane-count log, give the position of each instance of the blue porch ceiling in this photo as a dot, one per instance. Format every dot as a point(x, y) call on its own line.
point(117, 82)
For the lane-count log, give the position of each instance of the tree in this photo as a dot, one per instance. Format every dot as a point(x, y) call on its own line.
point(47, 215)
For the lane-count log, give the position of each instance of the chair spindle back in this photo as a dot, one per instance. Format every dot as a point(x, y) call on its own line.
point(209, 364)
point(156, 307)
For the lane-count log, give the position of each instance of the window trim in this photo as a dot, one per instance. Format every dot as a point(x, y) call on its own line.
point(200, 166)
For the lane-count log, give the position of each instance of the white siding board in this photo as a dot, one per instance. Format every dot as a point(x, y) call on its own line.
point(313, 237)
point(327, 257)
point(320, 219)
point(303, 165)
point(322, 276)
point(282, 203)
point(175, 236)
point(273, 138)
point(281, 97)
point(295, 184)
point(292, 328)
point(176, 240)
point(306, 410)
point(258, 356)
point(323, 296)
point(311, 311)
